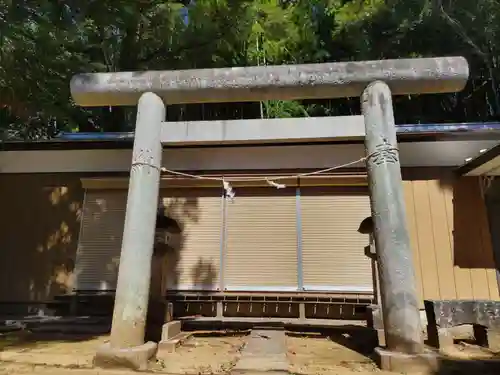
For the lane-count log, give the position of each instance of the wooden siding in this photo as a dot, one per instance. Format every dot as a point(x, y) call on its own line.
point(39, 230)
point(39, 227)
point(450, 238)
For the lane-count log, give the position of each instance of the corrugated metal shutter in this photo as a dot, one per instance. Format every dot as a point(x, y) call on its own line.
point(195, 264)
point(332, 248)
point(261, 241)
point(98, 254)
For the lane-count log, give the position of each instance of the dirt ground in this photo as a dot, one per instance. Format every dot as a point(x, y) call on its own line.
point(49, 349)
point(207, 354)
point(347, 354)
point(203, 354)
point(335, 355)
point(200, 354)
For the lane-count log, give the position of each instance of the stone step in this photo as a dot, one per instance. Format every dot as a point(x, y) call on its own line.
point(264, 351)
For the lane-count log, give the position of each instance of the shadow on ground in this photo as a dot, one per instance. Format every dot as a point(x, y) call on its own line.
point(357, 339)
point(468, 360)
point(228, 333)
point(452, 366)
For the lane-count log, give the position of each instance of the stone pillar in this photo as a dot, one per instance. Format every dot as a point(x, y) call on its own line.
point(401, 313)
point(126, 347)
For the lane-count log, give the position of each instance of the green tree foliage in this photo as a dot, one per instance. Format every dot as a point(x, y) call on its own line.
point(43, 43)
point(374, 29)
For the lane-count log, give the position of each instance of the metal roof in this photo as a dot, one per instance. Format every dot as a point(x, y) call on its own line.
point(124, 140)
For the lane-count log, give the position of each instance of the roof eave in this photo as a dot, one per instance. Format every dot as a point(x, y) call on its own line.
point(478, 161)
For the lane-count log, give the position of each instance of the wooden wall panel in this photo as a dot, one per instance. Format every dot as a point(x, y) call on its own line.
point(450, 238)
point(425, 239)
point(462, 276)
point(39, 230)
point(412, 228)
point(442, 241)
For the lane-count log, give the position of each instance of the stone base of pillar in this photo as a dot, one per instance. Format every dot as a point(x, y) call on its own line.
point(135, 358)
point(406, 363)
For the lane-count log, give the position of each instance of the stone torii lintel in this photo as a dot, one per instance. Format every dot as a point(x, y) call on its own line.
point(283, 82)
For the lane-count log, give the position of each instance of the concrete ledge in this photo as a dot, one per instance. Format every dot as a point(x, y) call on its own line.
point(307, 129)
point(136, 358)
point(171, 330)
point(172, 336)
point(406, 363)
point(170, 345)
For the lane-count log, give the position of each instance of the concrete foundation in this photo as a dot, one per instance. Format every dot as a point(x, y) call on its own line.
point(441, 338)
point(172, 336)
point(170, 330)
point(135, 358)
point(488, 338)
point(406, 363)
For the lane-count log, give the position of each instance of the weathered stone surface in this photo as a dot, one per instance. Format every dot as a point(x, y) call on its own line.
point(444, 315)
point(170, 345)
point(493, 337)
point(400, 307)
point(170, 330)
point(265, 351)
point(451, 313)
point(285, 82)
point(310, 129)
point(489, 338)
point(134, 272)
point(406, 363)
point(136, 358)
point(439, 337)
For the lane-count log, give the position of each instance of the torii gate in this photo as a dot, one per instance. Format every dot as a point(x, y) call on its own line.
point(374, 81)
